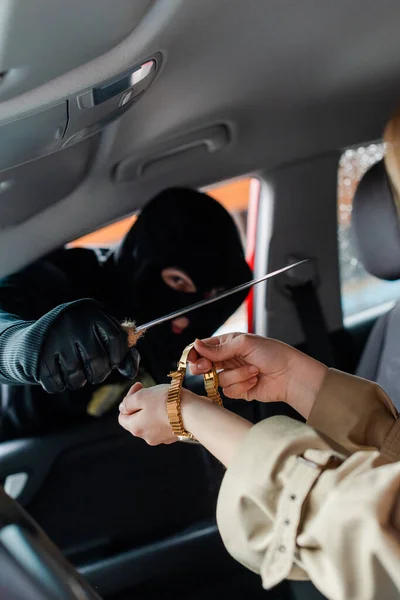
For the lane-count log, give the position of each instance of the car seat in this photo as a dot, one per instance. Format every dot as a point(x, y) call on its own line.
point(376, 225)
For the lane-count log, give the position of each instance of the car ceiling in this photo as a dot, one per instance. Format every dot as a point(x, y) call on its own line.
point(241, 86)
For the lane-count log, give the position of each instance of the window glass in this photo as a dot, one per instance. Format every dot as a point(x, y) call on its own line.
point(362, 294)
point(233, 195)
point(106, 236)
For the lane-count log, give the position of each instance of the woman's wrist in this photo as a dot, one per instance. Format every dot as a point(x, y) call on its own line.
point(305, 381)
point(217, 429)
point(193, 408)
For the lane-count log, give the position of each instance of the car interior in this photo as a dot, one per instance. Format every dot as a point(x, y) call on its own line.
point(103, 105)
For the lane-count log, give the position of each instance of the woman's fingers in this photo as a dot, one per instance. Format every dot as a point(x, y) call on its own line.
point(132, 423)
point(145, 416)
point(237, 376)
point(131, 402)
point(222, 348)
point(193, 356)
point(135, 388)
point(201, 366)
point(125, 420)
point(238, 391)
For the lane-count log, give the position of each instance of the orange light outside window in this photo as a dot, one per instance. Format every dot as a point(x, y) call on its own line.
point(234, 196)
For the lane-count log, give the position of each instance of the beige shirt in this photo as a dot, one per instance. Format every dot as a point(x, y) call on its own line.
point(320, 501)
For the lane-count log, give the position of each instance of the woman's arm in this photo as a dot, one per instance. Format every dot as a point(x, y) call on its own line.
point(293, 504)
point(217, 429)
point(355, 413)
point(143, 413)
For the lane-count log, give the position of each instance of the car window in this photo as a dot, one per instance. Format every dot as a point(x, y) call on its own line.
point(233, 195)
point(363, 295)
point(106, 237)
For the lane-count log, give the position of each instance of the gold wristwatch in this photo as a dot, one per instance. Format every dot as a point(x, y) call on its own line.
point(174, 396)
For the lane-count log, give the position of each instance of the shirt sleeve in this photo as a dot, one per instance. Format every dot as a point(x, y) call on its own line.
point(357, 414)
point(293, 505)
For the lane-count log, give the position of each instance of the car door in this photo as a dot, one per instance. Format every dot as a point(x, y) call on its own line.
point(121, 511)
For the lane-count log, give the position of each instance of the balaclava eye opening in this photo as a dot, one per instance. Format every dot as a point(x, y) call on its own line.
point(188, 230)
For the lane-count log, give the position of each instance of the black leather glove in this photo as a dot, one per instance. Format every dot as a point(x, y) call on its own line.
point(73, 344)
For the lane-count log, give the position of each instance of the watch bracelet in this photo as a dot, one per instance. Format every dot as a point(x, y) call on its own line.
point(211, 387)
point(175, 391)
point(174, 403)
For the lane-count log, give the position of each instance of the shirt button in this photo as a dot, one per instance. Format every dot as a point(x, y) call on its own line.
point(287, 522)
point(293, 496)
point(282, 548)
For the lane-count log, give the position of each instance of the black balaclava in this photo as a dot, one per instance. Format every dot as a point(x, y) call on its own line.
point(188, 230)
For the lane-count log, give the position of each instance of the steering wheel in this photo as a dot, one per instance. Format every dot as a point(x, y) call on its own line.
point(31, 566)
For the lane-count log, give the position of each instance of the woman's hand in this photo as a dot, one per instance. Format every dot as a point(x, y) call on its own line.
point(143, 412)
point(257, 368)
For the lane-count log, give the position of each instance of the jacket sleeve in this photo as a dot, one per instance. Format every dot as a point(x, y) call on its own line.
point(294, 504)
point(357, 414)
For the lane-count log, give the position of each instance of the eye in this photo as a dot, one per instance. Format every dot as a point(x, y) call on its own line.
point(178, 280)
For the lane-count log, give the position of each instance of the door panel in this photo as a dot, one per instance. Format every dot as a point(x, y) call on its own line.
point(110, 501)
point(99, 492)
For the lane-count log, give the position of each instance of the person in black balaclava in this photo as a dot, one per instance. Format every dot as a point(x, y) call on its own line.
point(192, 233)
point(61, 344)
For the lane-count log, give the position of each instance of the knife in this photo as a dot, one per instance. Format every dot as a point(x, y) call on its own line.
point(134, 332)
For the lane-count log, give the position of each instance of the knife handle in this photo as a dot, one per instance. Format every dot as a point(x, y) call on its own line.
point(130, 329)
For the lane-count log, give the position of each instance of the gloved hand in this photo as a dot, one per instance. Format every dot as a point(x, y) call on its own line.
point(73, 344)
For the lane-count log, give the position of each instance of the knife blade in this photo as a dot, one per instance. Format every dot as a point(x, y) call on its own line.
point(140, 329)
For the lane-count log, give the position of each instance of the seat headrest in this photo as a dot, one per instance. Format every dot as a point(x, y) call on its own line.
point(376, 223)
point(376, 210)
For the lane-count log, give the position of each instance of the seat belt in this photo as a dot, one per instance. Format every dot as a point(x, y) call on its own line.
point(312, 320)
point(303, 290)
